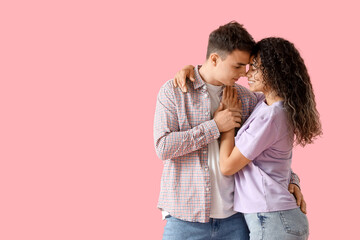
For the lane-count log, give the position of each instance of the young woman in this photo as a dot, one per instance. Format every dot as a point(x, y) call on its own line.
point(260, 155)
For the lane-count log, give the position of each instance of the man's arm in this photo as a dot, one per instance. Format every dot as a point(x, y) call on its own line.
point(294, 179)
point(294, 188)
point(170, 142)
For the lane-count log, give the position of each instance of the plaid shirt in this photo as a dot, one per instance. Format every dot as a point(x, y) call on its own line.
point(182, 130)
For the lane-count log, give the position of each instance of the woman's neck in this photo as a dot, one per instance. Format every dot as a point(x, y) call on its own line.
point(271, 97)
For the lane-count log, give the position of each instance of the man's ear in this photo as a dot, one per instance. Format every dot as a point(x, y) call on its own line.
point(214, 59)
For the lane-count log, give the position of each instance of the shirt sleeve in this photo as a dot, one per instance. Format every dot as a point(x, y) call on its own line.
point(169, 141)
point(260, 135)
point(294, 179)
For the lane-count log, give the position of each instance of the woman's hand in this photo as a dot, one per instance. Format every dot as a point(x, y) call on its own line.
point(230, 99)
point(180, 77)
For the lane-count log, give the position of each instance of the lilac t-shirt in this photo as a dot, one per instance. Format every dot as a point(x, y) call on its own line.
point(262, 185)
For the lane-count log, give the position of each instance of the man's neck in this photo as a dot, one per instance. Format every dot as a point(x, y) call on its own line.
point(205, 72)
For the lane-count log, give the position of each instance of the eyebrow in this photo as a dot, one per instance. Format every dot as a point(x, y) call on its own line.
point(242, 64)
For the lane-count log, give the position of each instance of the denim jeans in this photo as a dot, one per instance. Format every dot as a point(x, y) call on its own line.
point(233, 227)
point(280, 225)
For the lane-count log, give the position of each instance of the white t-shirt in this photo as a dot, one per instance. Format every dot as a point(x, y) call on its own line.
point(222, 187)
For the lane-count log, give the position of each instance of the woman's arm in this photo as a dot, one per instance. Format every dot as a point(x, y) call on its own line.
point(231, 159)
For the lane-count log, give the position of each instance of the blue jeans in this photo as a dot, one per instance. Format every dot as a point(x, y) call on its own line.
point(233, 227)
point(280, 225)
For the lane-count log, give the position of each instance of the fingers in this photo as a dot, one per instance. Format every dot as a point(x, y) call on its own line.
point(229, 92)
point(182, 75)
point(179, 79)
point(177, 83)
point(235, 96)
point(303, 206)
point(224, 93)
point(297, 193)
point(235, 92)
point(220, 108)
point(182, 80)
point(237, 110)
point(192, 75)
point(294, 189)
point(237, 119)
point(298, 197)
point(235, 113)
point(291, 188)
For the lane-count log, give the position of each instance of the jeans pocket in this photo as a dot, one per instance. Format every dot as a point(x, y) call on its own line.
point(295, 222)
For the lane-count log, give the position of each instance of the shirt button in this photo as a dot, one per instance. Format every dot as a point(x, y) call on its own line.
point(206, 169)
point(207, 189)
point(207, 113)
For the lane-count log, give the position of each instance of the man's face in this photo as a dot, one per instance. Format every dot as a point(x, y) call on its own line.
point(229, 70)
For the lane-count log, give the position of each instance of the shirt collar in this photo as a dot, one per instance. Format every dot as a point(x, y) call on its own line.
point(199, 82)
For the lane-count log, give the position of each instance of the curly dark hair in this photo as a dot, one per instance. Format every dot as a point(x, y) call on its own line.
point(284, 72)
point(229, 37)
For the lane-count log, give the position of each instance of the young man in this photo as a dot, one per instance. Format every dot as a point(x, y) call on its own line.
point(195, 198)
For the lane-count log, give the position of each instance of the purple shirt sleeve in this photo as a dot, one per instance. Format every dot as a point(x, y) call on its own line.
point(260, 135)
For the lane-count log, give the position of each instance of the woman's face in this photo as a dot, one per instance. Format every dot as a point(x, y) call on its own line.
point(255, 77)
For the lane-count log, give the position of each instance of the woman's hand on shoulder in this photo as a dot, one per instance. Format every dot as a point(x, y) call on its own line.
point(180, 77)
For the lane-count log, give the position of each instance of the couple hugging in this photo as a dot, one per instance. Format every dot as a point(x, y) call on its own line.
point(226, 149)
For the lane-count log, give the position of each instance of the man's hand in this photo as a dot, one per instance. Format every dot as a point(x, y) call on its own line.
point(180, 77)
point(295, 190)
point(227, 119)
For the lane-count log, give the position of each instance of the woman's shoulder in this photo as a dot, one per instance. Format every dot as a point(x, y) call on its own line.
point(274, 112)
point(279, 116)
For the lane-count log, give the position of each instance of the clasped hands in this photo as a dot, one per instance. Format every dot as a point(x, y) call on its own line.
point(228, 114)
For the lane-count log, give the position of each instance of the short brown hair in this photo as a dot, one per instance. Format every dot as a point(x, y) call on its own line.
point(229, 37)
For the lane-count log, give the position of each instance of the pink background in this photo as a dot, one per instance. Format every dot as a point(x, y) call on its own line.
point(79, 81)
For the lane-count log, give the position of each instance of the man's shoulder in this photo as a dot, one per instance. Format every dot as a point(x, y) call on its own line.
point(244, 91)
point(168, 85)
point(238, 86)
point(167, 88)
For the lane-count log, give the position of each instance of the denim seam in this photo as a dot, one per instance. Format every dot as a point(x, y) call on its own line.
point(286, 226)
